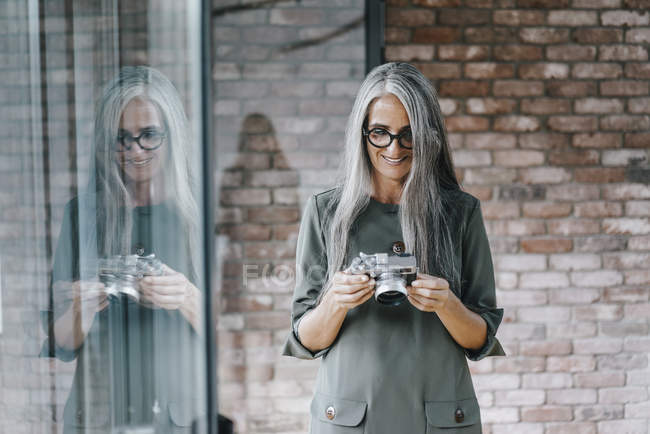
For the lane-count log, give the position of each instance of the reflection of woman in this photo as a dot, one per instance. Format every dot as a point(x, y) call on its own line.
point(389, 369)
point(136, 361)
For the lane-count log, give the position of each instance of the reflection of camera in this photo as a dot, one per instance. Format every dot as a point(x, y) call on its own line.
point(120, 274)
point(392, 273)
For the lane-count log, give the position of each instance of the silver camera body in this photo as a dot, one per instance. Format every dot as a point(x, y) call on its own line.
point(120, 274)
point(392, 274)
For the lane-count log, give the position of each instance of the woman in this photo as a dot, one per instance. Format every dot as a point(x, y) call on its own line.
point(390, 369)
point(138, 361)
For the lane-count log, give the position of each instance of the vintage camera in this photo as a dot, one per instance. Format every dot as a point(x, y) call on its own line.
point(392, 273)
point(120, 274)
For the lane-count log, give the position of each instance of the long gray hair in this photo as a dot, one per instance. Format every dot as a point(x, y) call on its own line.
point(423, 216)
point(114, 202)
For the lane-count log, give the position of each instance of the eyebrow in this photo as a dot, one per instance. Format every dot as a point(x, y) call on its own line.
point(141, 130)
point(387, 128)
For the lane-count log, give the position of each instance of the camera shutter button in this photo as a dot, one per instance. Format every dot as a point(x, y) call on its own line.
point(139, 249)
point(330, 412)
point(399, 247)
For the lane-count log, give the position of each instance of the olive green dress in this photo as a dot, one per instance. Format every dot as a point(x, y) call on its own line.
point(395, 369)
point(138, 366)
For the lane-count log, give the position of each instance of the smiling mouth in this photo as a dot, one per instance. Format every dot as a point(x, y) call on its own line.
point(394, 161)
point(140, 163)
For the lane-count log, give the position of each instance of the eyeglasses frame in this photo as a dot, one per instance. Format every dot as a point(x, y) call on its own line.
point(136, 139)
point(366, 133)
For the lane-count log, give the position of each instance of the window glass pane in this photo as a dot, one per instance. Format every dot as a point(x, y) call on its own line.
point(101, 223)
point(286, 74)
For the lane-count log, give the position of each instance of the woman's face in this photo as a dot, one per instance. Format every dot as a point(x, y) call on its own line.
point(392, 163)
point(141, 119)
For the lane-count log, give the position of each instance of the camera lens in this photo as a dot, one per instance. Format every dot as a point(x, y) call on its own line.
point(391, 289)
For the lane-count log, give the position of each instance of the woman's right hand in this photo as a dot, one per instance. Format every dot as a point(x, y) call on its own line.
point(83, 300)
point(350, 290)
point(320, 326)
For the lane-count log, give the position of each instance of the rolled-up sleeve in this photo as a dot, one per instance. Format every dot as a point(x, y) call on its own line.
point(311, 274)
point(477, 283)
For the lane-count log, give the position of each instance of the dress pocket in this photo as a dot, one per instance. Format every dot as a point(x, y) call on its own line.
point(86, 416)
point(462, 416)
point(330, 415)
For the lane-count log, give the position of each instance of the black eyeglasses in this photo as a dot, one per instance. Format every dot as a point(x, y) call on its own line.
point(381, 138)
point(148, 140)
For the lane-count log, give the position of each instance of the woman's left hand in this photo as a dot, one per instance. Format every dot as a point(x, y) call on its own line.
point(429, 293)
point(168, 291)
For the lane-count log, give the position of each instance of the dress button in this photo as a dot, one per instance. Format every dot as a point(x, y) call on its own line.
point(459, 415)
point(398, 247)
point(139, 249)
point(330, 412)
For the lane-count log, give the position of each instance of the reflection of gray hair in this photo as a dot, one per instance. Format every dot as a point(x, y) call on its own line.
point(114, 203)
point(422, 212)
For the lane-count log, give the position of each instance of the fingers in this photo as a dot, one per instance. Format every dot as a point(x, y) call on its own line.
point(426, 281)
point(349, 279)
point(438, 294)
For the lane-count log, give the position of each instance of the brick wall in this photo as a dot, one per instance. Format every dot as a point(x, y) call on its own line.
point(548, 108)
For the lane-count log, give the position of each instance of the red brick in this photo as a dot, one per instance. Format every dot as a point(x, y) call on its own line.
point(573, 192)
point(599, 379)
point(490, 105)
point(543, 35)
point(409, 18)
point(517, 52)
point(573, 227)
point(637, 140)
point(597, 279)
point(491, 35)
point(515, 88)
point(301, 160)
point(543, 106)
point(438, 70)
point(488, 70)
point(463, 17)
point(464, 88)
point(467, 123)
point(518, 158)
point(553, 245)
point(546, 413)
point(571, 88)
point(596, 4)
point(543, 4)
point(637, 36)
point(571, 53)
point(463, 52)
point(247, 232)
point(544, 175)
point(598, 105)
point(598, 140)
point(499, 210)
point(544, 348)
point(490, 141)
point(600, 175)
point(546, 210)
point(625, 18)
point(285, 232)
point(516, 227)
point(490, 176)
point(544, 71)
point(572, 18)
point(624, 88)
point(639, 105)
point(634, 226)
point(625, 123)
point(598, 36)
point(571, 158)
point(248, 196)
point(516, 123)
point(273, 214)
point(622, 53)
point(272, 178)
point(409, 53)
point(269, 250)
point(436, 35)
point(637, 70)
point(543, 141)
point(463, 158)
point(596, 70)
point(254, 303)
point(573, 123)
point(518, 17)
point(626, 191)
point(397, 35)
point(437, 3)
